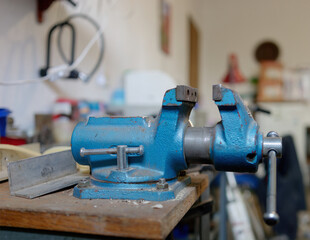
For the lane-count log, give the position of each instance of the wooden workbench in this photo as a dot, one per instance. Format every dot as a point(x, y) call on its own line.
point(61, 211)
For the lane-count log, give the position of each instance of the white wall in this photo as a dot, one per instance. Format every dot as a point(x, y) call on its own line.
point(238, 26)
point(132, 37)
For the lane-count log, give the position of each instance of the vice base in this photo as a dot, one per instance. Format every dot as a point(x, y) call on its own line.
point(132, 191)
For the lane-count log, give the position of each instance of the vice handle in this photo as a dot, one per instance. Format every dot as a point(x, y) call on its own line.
point(271, 217)
point(273, 147)
point(121, 151)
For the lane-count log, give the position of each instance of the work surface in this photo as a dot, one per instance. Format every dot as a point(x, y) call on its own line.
point(61, 211)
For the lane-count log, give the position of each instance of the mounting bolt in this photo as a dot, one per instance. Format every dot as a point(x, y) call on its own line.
point(272, 134)
point(162, 184)
point(84, 183)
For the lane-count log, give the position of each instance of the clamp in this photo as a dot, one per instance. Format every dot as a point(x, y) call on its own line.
point(151, 152)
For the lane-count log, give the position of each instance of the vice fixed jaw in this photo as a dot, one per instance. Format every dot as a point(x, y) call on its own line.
point(234, 144)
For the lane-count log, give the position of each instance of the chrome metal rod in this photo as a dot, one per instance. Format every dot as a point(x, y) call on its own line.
point(137, 150)
point(197, 143)
point(271, 217)
point(102, 151)
point(122, 158)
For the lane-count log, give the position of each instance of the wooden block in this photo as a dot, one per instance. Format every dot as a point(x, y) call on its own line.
point(61, 211)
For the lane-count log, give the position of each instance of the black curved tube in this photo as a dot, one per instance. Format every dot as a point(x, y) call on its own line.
point(73, 35)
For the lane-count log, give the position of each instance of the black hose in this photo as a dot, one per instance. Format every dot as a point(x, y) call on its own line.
point(43, 71)
point(101, 39)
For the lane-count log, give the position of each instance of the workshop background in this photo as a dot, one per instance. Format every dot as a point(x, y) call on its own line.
point(134, 34)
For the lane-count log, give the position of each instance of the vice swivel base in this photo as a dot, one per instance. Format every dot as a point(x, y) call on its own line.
point(150, 193)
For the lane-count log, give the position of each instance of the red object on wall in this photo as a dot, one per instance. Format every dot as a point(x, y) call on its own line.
point(234, 75)
point(42, 5)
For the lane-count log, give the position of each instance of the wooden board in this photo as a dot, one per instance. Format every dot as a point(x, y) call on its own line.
point(61, 211)
point(194, 50)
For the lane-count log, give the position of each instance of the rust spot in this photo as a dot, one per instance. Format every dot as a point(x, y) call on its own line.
point(172, 104)
point(114, 117)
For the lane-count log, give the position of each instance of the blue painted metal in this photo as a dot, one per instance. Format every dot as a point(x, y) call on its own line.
point(161, 137)
point(237, 144)
point(133, 191)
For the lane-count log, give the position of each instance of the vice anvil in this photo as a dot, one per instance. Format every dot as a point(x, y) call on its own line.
point(141, 157)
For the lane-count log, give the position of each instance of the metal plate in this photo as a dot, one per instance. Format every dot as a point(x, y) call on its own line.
point(134, 193)
point(186, 94)
point(37, 176)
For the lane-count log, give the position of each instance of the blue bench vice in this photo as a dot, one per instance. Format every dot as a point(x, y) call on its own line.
point(141, 157)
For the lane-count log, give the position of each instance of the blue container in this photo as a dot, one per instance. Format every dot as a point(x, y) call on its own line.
point(3, 116)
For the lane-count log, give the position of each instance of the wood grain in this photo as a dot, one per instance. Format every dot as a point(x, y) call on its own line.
point(61, 211)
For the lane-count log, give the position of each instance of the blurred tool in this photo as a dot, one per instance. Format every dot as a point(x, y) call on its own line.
point(61, 71)
point(256, 108)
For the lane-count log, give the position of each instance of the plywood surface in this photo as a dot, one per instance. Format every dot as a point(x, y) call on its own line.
point(126, 218)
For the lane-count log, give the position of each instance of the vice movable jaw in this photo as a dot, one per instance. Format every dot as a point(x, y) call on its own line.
point(236, 144)
point(140, 157)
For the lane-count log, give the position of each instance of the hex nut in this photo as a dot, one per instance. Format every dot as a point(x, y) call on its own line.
point(84, 183)
point(162, 184)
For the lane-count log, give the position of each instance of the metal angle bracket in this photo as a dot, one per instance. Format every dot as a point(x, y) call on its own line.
point(10, 153)
point(37, 176)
